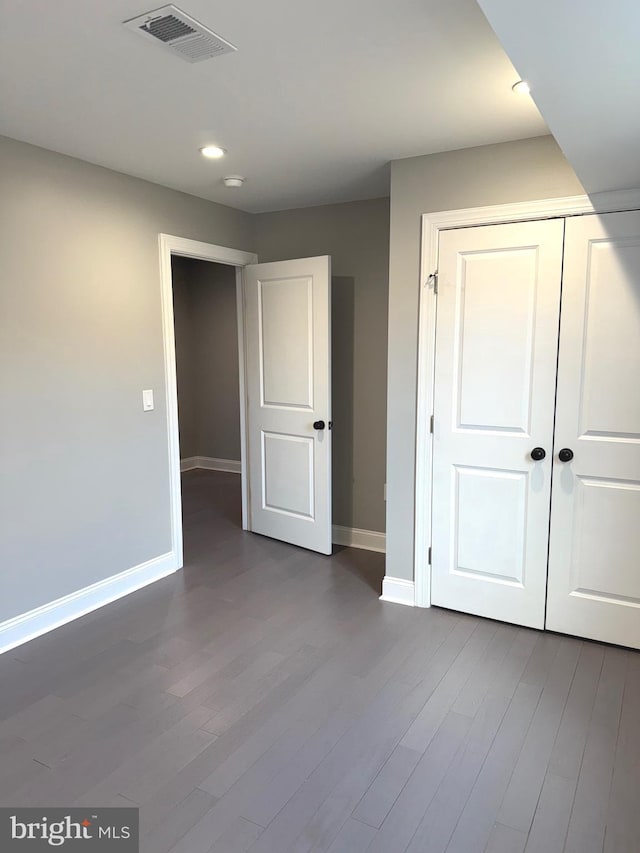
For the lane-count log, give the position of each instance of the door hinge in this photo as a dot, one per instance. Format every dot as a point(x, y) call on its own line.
point(432, 281)
point(431, 422)
point(429, 555)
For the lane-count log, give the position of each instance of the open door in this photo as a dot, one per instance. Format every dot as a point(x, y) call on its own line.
point(288, 377)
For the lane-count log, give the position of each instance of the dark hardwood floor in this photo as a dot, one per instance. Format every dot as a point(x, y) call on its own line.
point(265, 700)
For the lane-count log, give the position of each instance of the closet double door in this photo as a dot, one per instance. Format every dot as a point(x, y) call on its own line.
point(536, 451)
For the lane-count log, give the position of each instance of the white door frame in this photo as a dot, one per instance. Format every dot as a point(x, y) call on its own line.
point(432, 225)
point(170, 245)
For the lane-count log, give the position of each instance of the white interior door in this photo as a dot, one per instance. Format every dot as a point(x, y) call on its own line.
point(495, 370)
point(288, 335)
point(594, 557)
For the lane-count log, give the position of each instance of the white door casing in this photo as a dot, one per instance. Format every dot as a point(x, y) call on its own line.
point(495, 366)
point(171, 245)
point(288, 345)
point(594, 558)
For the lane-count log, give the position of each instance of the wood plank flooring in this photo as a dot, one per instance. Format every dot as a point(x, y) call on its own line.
point(265, 700)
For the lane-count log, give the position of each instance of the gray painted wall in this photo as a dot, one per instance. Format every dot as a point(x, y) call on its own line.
point(492, 174)
point(205, 315)
point(84, 492)
point(356, 235)
point(185, 356)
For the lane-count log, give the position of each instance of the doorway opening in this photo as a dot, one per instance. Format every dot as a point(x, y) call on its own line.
point(284, 383)
point(223, 263)
point(205, 315)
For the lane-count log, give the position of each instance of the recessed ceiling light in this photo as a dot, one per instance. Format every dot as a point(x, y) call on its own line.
point(212, 151)
point(521, 87)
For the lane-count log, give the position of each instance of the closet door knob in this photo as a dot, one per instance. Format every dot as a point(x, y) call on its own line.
point(538, 453)
point(318, 424)
point(565, 455)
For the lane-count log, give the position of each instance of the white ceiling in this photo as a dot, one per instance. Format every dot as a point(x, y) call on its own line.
point(582, 60)
point(319, 97)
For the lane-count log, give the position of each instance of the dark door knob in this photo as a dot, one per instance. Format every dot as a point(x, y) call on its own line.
point(318, 424)
point(538, 453)
point(565, 455)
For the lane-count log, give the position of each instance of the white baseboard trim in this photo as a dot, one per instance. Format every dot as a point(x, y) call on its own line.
point(398, 591)
point(210, 463)
point(353, 537)
point(14, 632)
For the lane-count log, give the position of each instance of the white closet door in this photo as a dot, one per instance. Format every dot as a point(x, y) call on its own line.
point(495, 370)
point(288, 334)
point(594, 559)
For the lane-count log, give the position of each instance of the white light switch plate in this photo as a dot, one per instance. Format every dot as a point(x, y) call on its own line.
point(147, 400)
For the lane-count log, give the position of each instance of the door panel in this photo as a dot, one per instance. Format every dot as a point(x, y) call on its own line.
point(496, 351)
point(493, 393)
point(594, 573)
point(286, 360)
point(288, 388)
point(287, 474)
point(504, 527)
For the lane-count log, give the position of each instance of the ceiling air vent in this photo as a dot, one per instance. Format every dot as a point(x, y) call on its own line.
point(182, 34)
